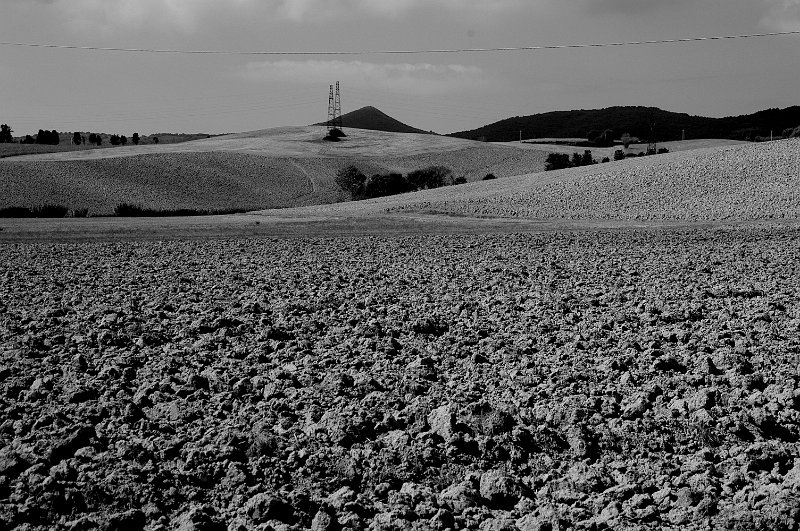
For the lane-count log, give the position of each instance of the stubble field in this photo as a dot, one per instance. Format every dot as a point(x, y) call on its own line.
point(626, 379)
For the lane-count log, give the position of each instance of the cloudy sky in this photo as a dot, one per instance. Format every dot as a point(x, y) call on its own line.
point(126, 92)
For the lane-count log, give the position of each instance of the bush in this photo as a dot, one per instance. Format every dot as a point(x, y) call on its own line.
point(460, 180)
point(619, 155)
point(489, 177)
point(382, 185)
point(15, 212)
point(43, 211)
point(557, 161)
point(661, 151)
point(606, 159)
point(50, 211)
point(431, 177)
point(351, 180)
point(126, 210)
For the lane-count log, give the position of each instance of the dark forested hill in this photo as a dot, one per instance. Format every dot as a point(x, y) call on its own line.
point(636, 121)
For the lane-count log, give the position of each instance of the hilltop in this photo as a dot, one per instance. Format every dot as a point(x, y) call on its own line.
point(636, 122)
point(376, 120)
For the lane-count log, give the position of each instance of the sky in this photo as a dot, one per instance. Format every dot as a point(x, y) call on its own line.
point(121, 92)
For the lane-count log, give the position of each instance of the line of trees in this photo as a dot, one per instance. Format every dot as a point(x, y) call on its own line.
point(359, 186)
point(53, 138)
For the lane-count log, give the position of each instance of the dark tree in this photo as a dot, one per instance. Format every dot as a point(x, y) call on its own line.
point(155, 140)
point(29, 140)
point(431, 177)
point(557, 161)
point(619, 155)
point(135, 139)
point(76, 138)
point(114, 139)
point(351, 180)
point(123, 140)
point(577, 159)
point(47, 137)
point(92, 138)
point(490, 176)
point(381, 185)
point(98, 140)
point(5, 134)
point(587, 159)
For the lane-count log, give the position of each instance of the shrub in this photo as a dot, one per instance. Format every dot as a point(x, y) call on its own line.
point(351, 180)
point(489, 177)
point(661, 151)
point(619, 155)
point(557, 161)
point(50, 211)
point(606, 159)
point(15, 212)
point(127, 210)
point(431, 177)
point(114, 140)
point(382, 185)
point(460, 180)
point(135, 139)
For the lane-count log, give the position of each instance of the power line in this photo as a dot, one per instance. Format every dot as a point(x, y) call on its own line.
point(398, 52)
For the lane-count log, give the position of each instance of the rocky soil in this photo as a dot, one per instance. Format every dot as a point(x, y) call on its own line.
point(587, 380)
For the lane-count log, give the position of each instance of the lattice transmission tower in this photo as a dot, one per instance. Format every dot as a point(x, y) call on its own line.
point(334, 109)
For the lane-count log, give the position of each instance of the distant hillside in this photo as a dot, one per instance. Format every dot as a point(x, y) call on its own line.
point(374, 119)
point(636, 122)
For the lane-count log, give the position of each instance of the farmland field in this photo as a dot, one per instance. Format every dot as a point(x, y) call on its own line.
point(591, 379)
point(612, 347)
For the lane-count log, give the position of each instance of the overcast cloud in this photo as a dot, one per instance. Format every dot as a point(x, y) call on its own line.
point(82, 90)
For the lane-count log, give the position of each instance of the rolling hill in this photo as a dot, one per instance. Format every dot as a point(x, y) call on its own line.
point(375, 120)
point(636, 122)
point(740, 182)
point(273, 168)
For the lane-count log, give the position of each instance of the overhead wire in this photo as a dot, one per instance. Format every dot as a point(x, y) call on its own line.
point(396, 52)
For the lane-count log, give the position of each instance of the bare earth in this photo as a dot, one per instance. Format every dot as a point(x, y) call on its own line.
point(613, 347)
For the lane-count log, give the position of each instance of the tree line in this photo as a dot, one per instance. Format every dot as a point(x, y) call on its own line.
point(359, 186)
point(53, 138)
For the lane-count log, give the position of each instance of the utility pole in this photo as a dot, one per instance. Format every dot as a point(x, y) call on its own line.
point(520, 136)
